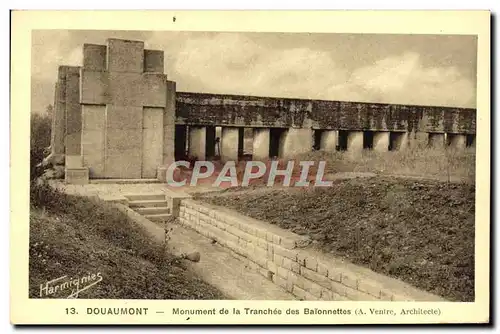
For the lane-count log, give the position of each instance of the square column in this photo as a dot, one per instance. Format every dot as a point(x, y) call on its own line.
point(457, 141)
point(381, 141)
point(329, 140)
point(197, 142)
point(295, 141)
point(355, 141)
point(261, 139)
point(436, 140)
point(229, 144)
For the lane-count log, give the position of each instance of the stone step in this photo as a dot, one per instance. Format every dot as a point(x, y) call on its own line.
point(154, 210)
point(161, 217)
point(145, 197)
point(147, 203)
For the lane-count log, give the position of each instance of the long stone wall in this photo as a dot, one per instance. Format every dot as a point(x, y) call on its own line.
point(253, 111)
point(290, 261)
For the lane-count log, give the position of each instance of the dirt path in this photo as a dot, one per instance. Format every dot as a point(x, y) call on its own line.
point(221, 269)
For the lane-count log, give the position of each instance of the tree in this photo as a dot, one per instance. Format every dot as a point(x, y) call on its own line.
point(50, 111)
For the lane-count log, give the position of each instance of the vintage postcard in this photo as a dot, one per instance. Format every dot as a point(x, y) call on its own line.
point(250, 167)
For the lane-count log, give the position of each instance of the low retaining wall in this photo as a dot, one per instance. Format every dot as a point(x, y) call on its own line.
point(290, 261)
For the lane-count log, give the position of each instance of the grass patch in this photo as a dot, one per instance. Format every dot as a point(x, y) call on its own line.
point(76, 236)
point(421, 232)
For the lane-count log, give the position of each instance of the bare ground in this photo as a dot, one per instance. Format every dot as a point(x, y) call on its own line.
point(419, 231)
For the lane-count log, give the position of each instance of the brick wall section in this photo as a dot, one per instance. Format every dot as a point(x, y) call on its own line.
point(290, 261)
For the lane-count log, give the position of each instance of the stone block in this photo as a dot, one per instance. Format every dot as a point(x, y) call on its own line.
point(287, 243)
point(126, 89)
point(153, 61)
point(92, 151)
point(152, 151)
point(73, 161)
point(278, 259)
point(125, 56)
point(282, 272)
point(280, 281)
point(311, 263)
point(153, 118)
point(287, 253)
point(154, 90)
point(73, 117)
point(123, 166)
point(77, 175)
point(94, 57)
point(301, 258)
point(93, 117)
point(261, 139)
point(316, 278)
point(73, 143)
point(94, 87)
point(272, 266)
point(124, 141)
point(58, 120)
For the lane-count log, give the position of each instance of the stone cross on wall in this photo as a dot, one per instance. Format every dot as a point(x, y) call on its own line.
point(124, 122)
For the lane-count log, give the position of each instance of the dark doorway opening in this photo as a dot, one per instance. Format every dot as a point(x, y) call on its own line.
point(210, 142)
point(342, 145)
point(275, 135)
point(470, 140)
point(395, 139)
point(317, 139)
point(180, 140)
point(367, 140)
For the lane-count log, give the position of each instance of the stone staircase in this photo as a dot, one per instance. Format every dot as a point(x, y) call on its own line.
point(152, 206)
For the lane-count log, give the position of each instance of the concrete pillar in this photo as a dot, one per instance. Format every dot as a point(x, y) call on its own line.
point(93, 139)
point(168, 118)
point(59, 115)
point(197, 142)
point(457, 141)
point(355, 141)
point(152, 141)
point(261, 139)
point(295, 141)
point(436, 140)
point(329, 139)
point(229, 143)
point(73, 119)
point(381, 141)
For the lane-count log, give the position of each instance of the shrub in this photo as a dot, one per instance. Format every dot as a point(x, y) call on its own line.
point(39, 141)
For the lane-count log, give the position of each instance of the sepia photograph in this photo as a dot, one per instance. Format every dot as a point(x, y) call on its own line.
point(333, 167)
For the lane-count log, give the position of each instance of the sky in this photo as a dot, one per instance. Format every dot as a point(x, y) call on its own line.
point(437, 70)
